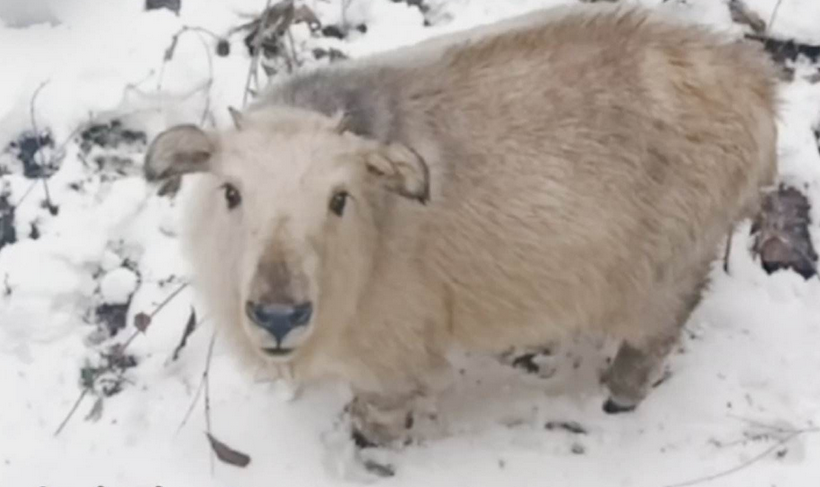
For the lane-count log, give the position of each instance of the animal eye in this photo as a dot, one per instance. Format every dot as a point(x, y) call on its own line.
point(232, 196)
point(338, 202)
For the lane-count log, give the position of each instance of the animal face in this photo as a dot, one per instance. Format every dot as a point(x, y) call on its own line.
point(293, 202)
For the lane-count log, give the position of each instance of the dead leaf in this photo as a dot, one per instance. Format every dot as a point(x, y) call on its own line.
point(142, 321)
point(189, 328)
point(781, 233)
point(228, 454)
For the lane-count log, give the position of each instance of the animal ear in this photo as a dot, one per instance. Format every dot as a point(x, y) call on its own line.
point(179, 150)
point(402, 170)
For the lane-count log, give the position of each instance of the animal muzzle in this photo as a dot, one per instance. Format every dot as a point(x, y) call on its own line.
point(285, 323)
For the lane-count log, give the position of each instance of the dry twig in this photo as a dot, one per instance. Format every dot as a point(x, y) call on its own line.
point(142, 320)
point(25, 195)
point(120, 349)
point(200, 388)
point(169, 55)
point(206, 377)
point(748, 463)
point(773, 16)
point(345, 4)
point(32, 107)
point(72, 411)
point(257, 44)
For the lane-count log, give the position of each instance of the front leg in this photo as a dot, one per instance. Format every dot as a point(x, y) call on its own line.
point(382, 420)
point(385, 416)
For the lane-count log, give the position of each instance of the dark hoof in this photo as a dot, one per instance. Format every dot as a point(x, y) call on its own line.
point(382, 470)
point(612, 407)
point(361, 440)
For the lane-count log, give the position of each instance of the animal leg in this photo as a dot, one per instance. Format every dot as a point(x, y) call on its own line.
point(385, 417)
point(639, 363)
point(633, 371)
point(382, 420)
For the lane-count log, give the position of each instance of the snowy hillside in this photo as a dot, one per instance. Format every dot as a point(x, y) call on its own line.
point(102, 355)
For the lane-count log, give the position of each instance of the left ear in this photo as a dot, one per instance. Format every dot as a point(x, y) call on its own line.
point(402, 170)
point(180, 150)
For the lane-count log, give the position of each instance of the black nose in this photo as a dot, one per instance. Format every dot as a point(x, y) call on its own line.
point(279, 319)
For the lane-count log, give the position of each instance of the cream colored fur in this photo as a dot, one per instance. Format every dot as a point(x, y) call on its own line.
point(583, 173)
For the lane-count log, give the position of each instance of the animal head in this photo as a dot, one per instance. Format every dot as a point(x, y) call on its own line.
point(290, 204)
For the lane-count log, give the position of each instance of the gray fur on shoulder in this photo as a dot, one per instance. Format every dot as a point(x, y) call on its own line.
point(367, 98)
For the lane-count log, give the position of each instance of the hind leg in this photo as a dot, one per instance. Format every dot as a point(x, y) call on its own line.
point(634, 369)
point(639, 362)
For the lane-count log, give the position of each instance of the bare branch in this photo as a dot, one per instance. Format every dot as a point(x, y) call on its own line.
point(32, 107)
point(169, 298)
point(748, 463)
point(773, 16)
point(169, 55)
point(25, 195)
point(72, 411)
point(206, 377)
point(200, 388)
point(154, 313)
point(208, 84)
point(345, 4)
point(257, 45)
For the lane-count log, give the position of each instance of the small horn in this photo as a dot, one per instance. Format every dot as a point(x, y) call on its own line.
point(342, 122)
point(236, 116)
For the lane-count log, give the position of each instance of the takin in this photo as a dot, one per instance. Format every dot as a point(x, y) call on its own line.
point(572, 171)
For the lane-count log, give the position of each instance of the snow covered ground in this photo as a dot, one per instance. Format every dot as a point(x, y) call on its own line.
point(742, 402)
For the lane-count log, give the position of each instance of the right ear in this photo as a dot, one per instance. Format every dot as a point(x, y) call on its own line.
point(179, 150)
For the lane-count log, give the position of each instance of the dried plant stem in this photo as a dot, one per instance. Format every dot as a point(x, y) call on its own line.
point(773, 16)
point(257, 46)
point(32, 106)
point(72, 411)
point(169, 54)
point(33, 114)
point(203, 383)
point(169, 299)
point(206, 379)
point(345, 4)
point(208, 84)
point(28, 191)
point(292, 60)
point(155, 311)
point(171, 49)
point(748, 463)
point(122, 349)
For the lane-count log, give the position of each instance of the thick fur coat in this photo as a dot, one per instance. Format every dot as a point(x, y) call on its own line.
point(577, 171)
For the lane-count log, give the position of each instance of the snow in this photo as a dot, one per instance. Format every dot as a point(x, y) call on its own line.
point(117, 286)
point(795, 19)
point(743, 380)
